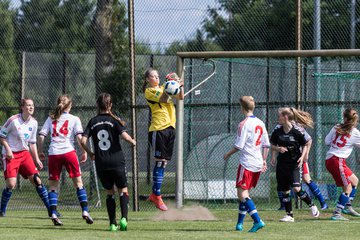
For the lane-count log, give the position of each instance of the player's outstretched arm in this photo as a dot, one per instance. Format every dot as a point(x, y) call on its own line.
point(127, 138)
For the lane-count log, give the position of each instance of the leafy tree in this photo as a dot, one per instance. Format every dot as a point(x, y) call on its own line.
point(54, 25)
point(9, 76)
point(270, 24)
point(196, 44)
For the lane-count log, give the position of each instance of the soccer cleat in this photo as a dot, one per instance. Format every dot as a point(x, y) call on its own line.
point(157, 200)
point(314, 211)
point(257, 226)
point(324, 206)
point(113, 228)
point(87, 217)
point(350, 211)
point(123, 224)
point(56, 221)
point(338, 217)
point(56, 212)
point(239, 227)
point(281, 208)
point(2, 214)
point(287, 218)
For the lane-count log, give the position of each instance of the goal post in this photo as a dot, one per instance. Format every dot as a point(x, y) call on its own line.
point(180, 106)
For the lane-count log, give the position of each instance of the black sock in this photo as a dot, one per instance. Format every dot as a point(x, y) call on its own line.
point(305, 197)
point(111, 208)
point(287, 204)
point(124, 203)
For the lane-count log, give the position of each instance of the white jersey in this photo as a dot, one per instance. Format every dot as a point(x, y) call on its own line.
point(62, 132)
point(19, 133)
point(341, 145)
point(251, 137)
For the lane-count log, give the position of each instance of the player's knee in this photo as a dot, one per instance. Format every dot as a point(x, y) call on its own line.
point(161, 164)
point(36, 180)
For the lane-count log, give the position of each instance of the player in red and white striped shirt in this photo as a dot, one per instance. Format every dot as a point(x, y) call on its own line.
point(63, 128)
point(252, 141)
point(18, 136)
point(342, 138)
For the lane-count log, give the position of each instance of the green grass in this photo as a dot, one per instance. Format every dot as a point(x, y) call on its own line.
point(34, 225)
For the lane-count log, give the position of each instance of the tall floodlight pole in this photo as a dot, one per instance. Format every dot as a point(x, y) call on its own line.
point(298, 47)
point(317, 71)
point(352, 23)
point(133, 103)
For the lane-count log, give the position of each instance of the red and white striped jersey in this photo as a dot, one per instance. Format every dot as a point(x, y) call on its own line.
point(251, 137)
point(342, 145)
point(19, 133)
point(62, 132)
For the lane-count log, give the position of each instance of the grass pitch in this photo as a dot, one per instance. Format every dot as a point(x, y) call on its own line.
point(143, 225)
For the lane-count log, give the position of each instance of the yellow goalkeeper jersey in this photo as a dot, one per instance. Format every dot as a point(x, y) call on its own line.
point(163, 114)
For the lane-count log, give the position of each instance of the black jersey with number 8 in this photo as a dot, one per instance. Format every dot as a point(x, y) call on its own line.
point(105, 133)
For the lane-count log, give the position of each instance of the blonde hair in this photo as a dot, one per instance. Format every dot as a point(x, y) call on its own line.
point(303, 118)
point(247, 103)
point(351, 119)
point(147, 75)
point(63, 102)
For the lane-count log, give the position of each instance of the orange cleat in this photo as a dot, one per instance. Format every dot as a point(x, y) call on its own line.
point(157, 200)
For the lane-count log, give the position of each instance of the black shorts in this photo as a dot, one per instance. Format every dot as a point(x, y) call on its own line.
point(109, 178)
point(162, 143)
point(287, 177)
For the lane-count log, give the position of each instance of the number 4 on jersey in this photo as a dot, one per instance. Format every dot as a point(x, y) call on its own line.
point(63, 130)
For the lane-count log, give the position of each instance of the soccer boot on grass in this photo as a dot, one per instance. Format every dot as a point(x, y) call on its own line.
point(157, 200)
point(257, 226)
point(123, 224)
point(56, 221)
point(239, 227)
point(324, 206)
point(86, 216)
point(2, 214)
point(338, 217)
point(350, 211)
point(314, 211)
point(113, 228)
point(287, 218)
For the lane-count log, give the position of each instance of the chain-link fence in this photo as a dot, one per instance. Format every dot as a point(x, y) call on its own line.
point(81, 48)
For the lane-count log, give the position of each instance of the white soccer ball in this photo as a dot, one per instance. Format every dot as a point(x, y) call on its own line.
point(172, 87)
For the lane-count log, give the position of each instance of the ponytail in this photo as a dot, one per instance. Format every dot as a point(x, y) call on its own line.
point(302, 117)
point(351, 119)
point(104, 103)
point(122, 123)
point(63, 102)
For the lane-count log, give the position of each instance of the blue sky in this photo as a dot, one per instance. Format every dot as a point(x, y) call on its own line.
point(164, 21)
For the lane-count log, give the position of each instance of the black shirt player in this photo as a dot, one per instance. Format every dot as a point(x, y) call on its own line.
point(290, 143)
point(105, 130)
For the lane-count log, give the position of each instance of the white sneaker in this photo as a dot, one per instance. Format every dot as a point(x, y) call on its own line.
point(287, 218)
point(315, 211)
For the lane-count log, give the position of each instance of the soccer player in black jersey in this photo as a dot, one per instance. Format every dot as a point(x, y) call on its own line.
point(105, 130)
point(290, 143)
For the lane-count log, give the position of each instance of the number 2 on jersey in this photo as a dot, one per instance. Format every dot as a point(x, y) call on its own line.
point(63, 130)
point(104, 142)
point(259, 130)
